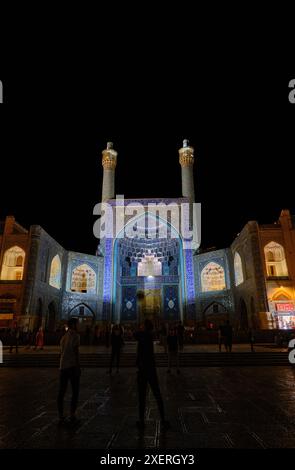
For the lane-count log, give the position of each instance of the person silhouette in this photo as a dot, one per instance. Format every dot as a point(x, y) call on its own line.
point(147, 373)
point(228, 336)
point(117, 344)
point(69, 370)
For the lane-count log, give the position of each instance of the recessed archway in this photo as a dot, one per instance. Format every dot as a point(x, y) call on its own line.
point(146, 261)
point(238, 268)
point(13, 264)
point(275, 260)
point(83, 279)
point(215, 314)
point(213, 277)
point(85, 316)
point(55, 272)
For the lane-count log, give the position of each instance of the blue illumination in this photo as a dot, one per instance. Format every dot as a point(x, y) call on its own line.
point(190, 285)
point(189, 261)
point(107, 281)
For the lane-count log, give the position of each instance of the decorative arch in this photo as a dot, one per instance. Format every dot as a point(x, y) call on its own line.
point(215, 313)
point(55, 272)
point(281, 294)
point(211, 305)
point(238, 268)
point(213, 277)
point(190, 294)
point(82, 310)
point(83, 279)
point(275, 260)
point(86, 319)
point(13, 264)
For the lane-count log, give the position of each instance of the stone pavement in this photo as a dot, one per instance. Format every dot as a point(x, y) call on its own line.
point(208, 408)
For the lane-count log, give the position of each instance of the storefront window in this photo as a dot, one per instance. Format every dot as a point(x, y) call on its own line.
point(285, 315)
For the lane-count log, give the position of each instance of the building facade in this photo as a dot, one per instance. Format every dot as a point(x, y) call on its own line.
point(139, 273)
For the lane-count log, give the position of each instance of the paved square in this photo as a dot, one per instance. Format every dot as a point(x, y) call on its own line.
point(242, 407)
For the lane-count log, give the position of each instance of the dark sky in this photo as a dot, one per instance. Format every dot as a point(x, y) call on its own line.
point(60, 111)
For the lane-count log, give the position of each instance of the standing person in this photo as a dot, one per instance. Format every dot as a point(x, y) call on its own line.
point(147, 373)
point(251, 339)
point(172, 344)
point(29, 341)
point(69, 369)
point(221, 337)
point(228, 336)
point(116, 343)
point(163, 337)
point(180, 335)
point(40, 339)
point(14, 339)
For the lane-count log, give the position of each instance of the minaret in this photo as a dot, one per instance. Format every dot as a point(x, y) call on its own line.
point(186, 160)
point(109, 162)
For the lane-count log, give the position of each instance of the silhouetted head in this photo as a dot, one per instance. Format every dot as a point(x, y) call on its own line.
point(227, 322)
point(72, 323)
point(148, 325)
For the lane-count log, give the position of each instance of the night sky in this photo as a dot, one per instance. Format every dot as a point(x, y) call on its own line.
point(60, 112)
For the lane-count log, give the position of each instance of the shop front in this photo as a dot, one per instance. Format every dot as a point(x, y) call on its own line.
point(284, 315)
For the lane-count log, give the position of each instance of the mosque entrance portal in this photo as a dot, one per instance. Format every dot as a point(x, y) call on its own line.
point(150, 305)
point(148, 275)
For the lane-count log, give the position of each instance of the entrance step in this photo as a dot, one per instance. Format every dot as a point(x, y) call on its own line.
point(128, 359)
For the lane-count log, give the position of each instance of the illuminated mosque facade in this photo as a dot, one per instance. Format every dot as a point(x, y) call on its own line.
point(130, 278)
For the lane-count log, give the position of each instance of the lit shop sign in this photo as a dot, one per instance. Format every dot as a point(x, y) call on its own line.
point(285, 307)
point(6, 316)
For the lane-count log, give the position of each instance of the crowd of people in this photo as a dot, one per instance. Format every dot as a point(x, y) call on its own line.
point(16, 336)
point(70, 370)
point(172, 337)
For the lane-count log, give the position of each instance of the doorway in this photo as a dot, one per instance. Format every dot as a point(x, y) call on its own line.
point(150, 306)
point(51, 317)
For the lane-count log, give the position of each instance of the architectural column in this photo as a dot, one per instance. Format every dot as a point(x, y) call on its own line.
point(186, 160)
point(109, 162)
point(286, 224)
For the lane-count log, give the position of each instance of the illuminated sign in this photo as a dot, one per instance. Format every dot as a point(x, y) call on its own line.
point(286, 307)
